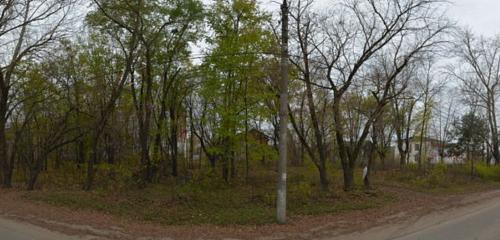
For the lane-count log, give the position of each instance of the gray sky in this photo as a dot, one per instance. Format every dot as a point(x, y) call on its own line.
point(481, 16)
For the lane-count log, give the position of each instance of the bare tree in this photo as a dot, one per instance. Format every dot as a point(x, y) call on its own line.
point(403, 110)
point(26, 28)
point(401, 31)
point(304, 30)
point(128, 46)
point(446, 111)
point(428, 87)
point(479, 73)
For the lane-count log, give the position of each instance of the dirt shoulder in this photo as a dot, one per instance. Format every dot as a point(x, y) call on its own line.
point(94, 225)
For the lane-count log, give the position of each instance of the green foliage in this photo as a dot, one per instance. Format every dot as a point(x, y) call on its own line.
point(232, 90)
point(67, 176)
point(437, 176)
point(471, 131)
point(114, 176)
point(441, 178)
point(63, 102)
point(490, 173)
point(302, 191)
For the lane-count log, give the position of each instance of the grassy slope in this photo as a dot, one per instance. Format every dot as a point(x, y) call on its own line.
point(207, 200)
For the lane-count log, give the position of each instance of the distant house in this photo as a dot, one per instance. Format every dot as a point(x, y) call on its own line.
point(259, 137)
point(431, 152)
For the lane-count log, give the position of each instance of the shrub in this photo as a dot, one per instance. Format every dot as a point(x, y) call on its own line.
point(411, 167)
point(491, 173)
point(113, 176)
point(301, 192)
point(437, 176)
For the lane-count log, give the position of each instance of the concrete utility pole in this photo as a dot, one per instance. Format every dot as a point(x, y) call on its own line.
point(283, 115)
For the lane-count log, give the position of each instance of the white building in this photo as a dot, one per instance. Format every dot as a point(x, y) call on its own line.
point(431, 149)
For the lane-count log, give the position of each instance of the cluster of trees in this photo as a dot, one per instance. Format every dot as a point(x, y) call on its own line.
point(478, 73)
point(128, 89)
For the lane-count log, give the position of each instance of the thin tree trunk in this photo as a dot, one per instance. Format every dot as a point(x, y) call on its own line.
point(373, 150)
point(4, 155)
point(191, 137)
point(341, 145)
point(422, 135)
point(318, 134)
point(89, 181)
point(494, 132)
point(173, 141)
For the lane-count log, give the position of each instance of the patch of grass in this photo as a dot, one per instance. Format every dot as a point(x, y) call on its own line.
point(159, 205)
point(206, 199)
point(490, 173)
point(439, 179)
point(343, 203)
point(216, 207)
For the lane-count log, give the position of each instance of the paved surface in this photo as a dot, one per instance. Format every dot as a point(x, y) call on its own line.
point(480, 221)
point(11, 230)
point(483, 224)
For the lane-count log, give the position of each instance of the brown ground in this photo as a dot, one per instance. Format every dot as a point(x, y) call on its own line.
point(93, 225)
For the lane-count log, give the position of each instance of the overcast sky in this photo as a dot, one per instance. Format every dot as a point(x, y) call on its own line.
point(481, 16)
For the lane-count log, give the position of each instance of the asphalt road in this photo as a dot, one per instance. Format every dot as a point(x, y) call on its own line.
point(482, 224)
point(11, 230)
point(477, 221)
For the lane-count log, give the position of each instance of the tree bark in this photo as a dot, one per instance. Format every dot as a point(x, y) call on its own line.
point(7, 167)
point(173, 141)
point(494, 129)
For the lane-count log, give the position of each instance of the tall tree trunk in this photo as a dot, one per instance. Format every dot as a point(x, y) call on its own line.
point(110, 149)
point(233, 166)
point(348, 173)
point(225, 168)
point(191, 137)
point(144, 107)
point(5, 85)
point(158, 141)
point(173, 141)
point(89, 180)
point(343, 149)
point(323, 176)
point(423, 129)
point(145, 160)
point(247, 160)
point(318, 134)
point(373, 149)
point(4, 153)
point(494, 130)
point(321, 166)
point(35, 170)
point(402, 152)
point(318, 138)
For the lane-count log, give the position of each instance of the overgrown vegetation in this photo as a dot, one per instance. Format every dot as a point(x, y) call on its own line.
point(205, 198)
point(129, 116)
point(491, 173)
point(441, 179)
